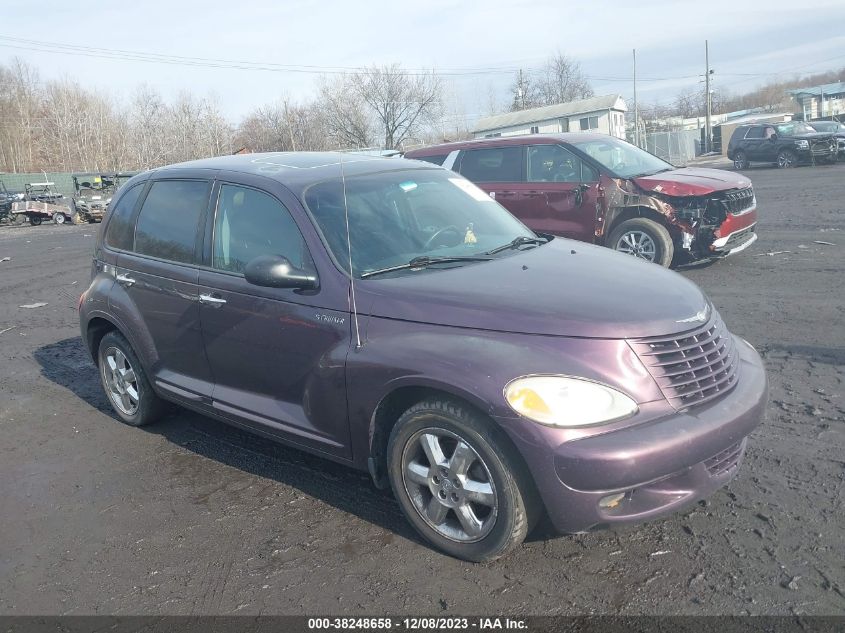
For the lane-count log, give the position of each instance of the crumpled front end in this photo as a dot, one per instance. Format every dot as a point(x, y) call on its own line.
point(713, 224)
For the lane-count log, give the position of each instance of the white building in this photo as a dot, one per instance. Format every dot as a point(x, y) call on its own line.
point(604, 114)
point(819, 102)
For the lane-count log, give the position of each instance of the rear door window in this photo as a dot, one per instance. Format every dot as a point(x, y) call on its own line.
point(754, 132)
point(250, 223)
point(168, 224)
point(119, 231)
point(496, 164)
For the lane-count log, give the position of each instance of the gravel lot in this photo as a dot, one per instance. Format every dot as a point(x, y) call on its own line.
point(193, 517)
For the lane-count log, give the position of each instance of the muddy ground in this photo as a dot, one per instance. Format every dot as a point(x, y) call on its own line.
point(193, 517)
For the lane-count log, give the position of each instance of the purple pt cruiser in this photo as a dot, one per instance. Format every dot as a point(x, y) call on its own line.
point(389, 315)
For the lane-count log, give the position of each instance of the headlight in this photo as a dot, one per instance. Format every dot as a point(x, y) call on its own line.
point(567, 402)
point(802, 144)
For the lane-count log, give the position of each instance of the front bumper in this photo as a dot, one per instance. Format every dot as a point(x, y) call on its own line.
point(657, 466)
point(735, 234)
point(818, 151)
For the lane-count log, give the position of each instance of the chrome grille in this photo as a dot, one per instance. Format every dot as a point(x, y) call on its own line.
point(823, 147)
point(725, 461)
point(738, 201)
point(694, 367)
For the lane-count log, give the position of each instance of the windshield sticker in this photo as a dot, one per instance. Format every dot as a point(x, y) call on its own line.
point(467, 187)
point(407, 186)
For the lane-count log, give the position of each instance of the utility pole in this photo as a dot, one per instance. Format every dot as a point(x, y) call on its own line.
point(708, 130)
point(636, 109)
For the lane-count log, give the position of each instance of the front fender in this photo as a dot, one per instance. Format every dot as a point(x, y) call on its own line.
point(475, 365)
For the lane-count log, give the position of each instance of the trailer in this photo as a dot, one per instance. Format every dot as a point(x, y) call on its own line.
point(37, 212)
point(42, 204)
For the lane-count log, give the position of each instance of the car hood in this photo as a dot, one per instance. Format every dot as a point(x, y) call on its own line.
point(692, 181)
point(815, 136)
point(564, 288)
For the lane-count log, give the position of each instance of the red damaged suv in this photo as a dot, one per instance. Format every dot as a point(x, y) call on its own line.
point(600, 189)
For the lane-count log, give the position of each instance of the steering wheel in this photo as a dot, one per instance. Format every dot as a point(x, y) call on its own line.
point(446, 229)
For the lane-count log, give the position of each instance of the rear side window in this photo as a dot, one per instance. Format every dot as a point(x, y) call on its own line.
point(497, 164)
point(250, 223)
point(168, 224)
point(119, 232)
point(438, 159)
point(754, 132)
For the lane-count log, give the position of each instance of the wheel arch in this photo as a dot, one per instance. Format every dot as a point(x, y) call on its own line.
point(393, 404)
point(638, 211)
point(95, 330)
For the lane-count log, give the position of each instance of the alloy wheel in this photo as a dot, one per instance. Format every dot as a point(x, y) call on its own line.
point(59, 218)
point(786, 159)
point(637, 243)
point(454, 495)
point(121, 381)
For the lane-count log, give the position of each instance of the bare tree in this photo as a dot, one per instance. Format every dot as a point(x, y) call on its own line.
point(20, 108)
point(524, 92)
point(401, 102)
point(562, 80)
point(344, 113)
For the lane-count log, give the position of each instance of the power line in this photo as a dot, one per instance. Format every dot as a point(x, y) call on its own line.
point(180, 60)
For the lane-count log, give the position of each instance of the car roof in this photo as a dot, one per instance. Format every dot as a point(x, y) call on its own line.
point(521, 139)
point(297, 170)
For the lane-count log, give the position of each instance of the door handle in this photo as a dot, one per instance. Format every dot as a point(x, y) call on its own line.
point(212, 301)
point(126, 280)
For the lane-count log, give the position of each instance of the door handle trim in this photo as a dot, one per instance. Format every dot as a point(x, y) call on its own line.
point(212, 301)
point(126, 280)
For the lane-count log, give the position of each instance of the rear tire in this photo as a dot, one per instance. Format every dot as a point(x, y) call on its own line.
point(645, 239)
point(741, 160)
point(34, 220)
point(477, 504)
point(125, 382)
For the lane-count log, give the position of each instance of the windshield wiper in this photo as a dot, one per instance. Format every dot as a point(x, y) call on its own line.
point(516, 243)
point(424, 261)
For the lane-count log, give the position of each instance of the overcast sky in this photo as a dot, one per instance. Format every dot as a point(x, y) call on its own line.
point(749, 40)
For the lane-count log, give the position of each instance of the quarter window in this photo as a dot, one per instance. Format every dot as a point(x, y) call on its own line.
point(119, 231)
point(169, 220)
point(250, 223)
point(497, 164)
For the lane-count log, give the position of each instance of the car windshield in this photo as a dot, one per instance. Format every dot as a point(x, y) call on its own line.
point(824, 126)
point(793, 127)
point(400, 215)
point(623, 159)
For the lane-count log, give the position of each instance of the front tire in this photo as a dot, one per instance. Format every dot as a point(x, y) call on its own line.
point(645, 239)
point(741, 160)
point(459, 482)
point(59, 217)
point(34, 220)
point(125, 382)
point(787, 159)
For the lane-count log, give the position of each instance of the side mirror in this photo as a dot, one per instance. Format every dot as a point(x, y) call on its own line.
point(276, 271)
point(773, 137)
